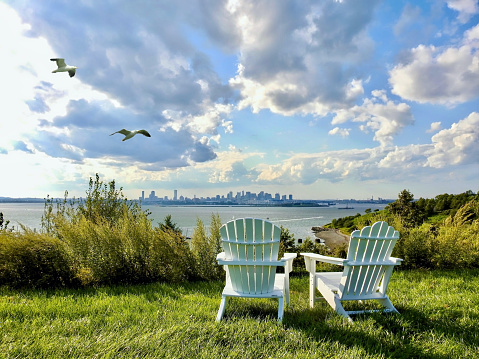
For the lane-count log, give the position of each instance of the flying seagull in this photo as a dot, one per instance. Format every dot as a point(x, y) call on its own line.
point(130, 134)
point(63, 67)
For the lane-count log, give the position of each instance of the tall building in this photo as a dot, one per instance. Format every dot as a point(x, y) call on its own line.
point(175, 195)
point(152, 196)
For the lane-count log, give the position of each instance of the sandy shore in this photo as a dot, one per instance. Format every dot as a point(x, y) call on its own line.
point(331, 237)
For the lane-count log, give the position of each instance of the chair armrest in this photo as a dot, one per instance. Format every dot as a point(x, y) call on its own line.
point(288, 261)
point(221, 256)
point(288, 257)
point(396, 260)
point(310, 260)
point(326, 259)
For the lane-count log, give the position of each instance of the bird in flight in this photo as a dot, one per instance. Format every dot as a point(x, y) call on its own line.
point(130, 134)
point(63, 67)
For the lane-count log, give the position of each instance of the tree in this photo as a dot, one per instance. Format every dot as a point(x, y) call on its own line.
point(2, 225)
point(168, 225)
point(287, 242)
point(407, 210)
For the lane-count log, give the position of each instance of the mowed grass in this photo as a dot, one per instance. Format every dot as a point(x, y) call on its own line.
point(439, 319)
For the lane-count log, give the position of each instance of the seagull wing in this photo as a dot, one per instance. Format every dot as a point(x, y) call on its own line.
point(122, 131)
point(144, 132)
point(60, 62)
point(71, 72)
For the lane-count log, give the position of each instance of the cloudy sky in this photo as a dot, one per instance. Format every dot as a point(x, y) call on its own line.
point(319, 99)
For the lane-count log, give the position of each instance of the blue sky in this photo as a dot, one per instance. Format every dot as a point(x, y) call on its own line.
point(319, 99)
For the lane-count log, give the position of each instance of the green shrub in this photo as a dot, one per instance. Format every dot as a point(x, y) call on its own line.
point(415, 247)
point(205, 249)
point(35, 260)
point(457, 246)
point(130, 252)
point(308, 246)
point(170, 258)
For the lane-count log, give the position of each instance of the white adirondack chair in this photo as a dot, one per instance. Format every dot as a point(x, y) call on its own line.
point(250, 259)
point(367, 270)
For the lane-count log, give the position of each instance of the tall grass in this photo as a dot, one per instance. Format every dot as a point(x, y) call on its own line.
point(439, 319)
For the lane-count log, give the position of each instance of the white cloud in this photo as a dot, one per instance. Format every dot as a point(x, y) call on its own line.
point(441, 76)
point(457, 145)
point(466, 8)
point(408, 158)
point(378, 114)
point(343, 132)
point(435, 126)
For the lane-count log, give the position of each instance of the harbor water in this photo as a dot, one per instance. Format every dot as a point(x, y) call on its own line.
point(298, 220)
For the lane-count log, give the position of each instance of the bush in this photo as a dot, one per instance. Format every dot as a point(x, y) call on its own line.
point(205, 249)
point(34, 260)
point(130, 252)
point(101, 240)
point(457, 246)
point(415, 247)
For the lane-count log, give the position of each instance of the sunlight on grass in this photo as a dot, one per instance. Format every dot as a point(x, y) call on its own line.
point(439, 318)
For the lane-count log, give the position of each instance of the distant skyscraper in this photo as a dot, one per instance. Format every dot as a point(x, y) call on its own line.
point(175, 195)
point(152, 196)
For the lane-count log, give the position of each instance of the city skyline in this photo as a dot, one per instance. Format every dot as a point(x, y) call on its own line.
point(245, 197)
point(322, 99)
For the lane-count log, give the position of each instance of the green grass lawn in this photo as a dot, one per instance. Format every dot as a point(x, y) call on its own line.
point(439, 319)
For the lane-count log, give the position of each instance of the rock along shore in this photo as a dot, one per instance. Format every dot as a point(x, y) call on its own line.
point(331, 237)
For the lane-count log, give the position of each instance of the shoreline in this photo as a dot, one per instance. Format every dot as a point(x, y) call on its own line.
point(331, 237)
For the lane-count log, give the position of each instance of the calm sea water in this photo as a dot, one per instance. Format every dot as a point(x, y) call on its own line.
point(297, 220)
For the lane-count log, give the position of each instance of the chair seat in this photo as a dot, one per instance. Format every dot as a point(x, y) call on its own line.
point(278, 291)
point(331, 279)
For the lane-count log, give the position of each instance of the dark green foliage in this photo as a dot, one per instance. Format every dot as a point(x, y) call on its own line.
point(410, 214)
point(288, 245)
point(169, 225)
point(308, 246)
point(287, 242)
point(3, 223)
point(347, 224)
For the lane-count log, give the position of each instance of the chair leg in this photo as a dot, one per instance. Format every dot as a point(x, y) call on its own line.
point(385, 302)
point(280, 309)
point(340, 310)
point(333, 300)
point(286, 290)
point(312, 289)
point(221, 311)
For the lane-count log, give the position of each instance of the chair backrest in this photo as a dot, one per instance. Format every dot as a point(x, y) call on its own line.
point(253, 245)
point(369, 266)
